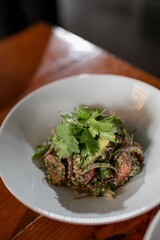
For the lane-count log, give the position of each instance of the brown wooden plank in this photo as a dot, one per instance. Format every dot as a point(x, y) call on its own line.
point(44, 228)
point(130, 229)
point(20, 55)
point(14, 216)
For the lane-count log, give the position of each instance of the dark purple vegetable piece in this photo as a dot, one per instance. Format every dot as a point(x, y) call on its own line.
point(108, 178)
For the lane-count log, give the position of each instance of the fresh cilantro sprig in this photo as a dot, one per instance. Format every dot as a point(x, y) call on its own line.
point(90, 144)
point(65, 142)
point(81, 129)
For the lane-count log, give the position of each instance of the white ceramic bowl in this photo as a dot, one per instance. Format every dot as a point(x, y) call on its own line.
point(27, 125)
point(153, 232)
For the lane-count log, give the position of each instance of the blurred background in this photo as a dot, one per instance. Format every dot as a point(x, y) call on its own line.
point(130, 29)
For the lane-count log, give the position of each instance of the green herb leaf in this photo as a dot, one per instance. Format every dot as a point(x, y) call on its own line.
point(65, 144)
point(108, 136)
point(61, 148)
point(104, 127)
point(66, 114)
point(97, 112)
point(83, 113)
point(117, 123)
point(73, 127)
point(41, 151)
point(80, 131)
point(91, 144)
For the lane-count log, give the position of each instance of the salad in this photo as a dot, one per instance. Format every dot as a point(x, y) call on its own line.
point(91, 152)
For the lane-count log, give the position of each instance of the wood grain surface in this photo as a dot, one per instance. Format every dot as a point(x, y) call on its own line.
point(28, 60)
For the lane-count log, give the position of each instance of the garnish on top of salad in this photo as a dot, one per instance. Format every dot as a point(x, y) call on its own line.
point(91, 152)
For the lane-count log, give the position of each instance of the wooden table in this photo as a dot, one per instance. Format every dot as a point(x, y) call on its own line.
point(28, 60)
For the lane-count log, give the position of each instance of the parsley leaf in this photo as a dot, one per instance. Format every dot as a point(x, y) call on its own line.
point(73, 127)
point(91, 144)
point(65, 144)
point(66, 114)
point(118, 124)
point(97, 112)
point(105, 128)
point(83, 113)
point(61, 148)
point(81, 130)
point(41, 151)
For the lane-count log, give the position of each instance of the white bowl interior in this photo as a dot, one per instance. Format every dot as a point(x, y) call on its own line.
point(27, 125)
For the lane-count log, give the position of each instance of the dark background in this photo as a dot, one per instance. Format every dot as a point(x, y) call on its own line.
point(129, 29)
